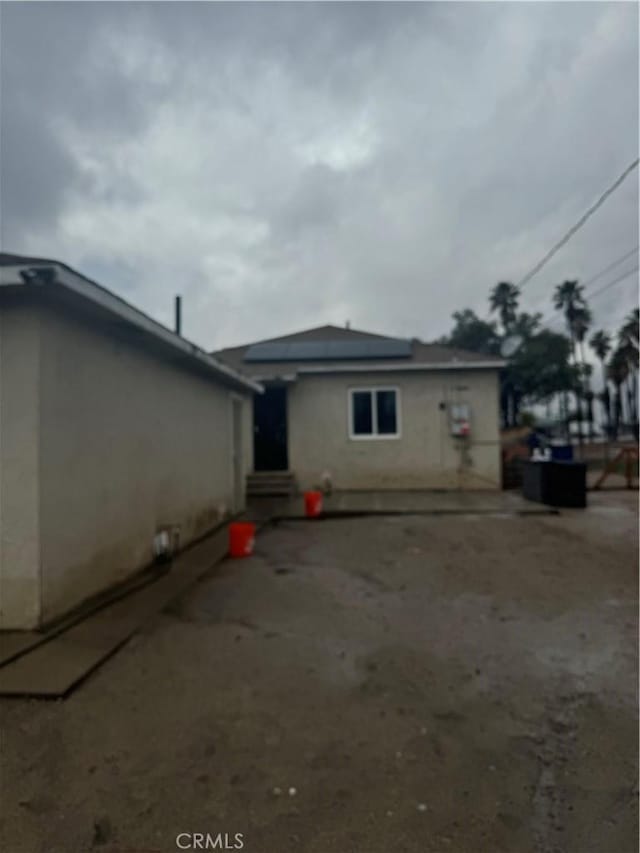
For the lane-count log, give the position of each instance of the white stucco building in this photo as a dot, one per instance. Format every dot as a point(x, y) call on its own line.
point(372, 412)
point(112, 428)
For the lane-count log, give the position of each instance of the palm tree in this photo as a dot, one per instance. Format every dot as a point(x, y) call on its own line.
point(504, 299)
point(589, 395)
point(581, 323)
point(630, 327)
point(584, 379)
point(628, 343)
point(618, 372)
point(569, 298)
point(629, 354)
point(600, 343)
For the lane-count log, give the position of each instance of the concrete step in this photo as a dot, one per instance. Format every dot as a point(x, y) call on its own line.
point(269, 475)
point(271, 492)
point(281, 483)
point(270, 484)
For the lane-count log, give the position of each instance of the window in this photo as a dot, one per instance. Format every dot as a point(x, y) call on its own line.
point(374, 413)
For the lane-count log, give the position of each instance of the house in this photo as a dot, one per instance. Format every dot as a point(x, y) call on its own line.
point(366, 411)
point(118, 438)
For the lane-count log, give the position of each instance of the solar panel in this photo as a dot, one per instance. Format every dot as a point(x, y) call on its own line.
point(266, 352)
point(345, 349)
point(328, 350)
point(389, 349)
point(306, 350)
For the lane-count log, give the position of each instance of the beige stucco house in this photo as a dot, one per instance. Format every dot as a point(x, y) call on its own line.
point(112, 430)
point(365, 411)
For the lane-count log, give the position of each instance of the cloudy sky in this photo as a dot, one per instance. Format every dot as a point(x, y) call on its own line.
point(286, 165)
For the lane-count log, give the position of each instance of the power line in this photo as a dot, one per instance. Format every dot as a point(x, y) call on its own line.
point(610, 267)
point(611, 283)
point(614, 186)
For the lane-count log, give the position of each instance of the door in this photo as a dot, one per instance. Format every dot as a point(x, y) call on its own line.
point(236, 428)
point(270, 430)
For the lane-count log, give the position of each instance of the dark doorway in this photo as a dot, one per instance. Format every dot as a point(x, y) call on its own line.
point(270, 430)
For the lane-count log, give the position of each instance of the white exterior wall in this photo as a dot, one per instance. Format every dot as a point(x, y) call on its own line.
point(424, 456)
point(19, 460)
point(126, 443)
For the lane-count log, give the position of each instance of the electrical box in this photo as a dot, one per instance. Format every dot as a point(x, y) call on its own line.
point(460, 419)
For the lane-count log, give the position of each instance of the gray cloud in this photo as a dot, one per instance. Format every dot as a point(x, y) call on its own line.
point(289, 164)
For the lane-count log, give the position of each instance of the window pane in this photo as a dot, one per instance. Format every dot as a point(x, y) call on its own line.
point(386, 411)
point(362, 413)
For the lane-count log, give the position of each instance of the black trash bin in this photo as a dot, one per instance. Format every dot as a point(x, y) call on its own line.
point(556, 483)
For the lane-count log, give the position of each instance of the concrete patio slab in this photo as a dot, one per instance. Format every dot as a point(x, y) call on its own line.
point(15, 643)
point(56, 666)
point(410, 502)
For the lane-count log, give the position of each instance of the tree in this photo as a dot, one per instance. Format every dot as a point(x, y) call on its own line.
point(538, 370)
point(628, 353)
point(589, 397)
point(618, 371)
point(585, 371)
point(541, 367)
point(569, 298)
point(628, 344)
point(504, 299)
point(526, 325)
point(471, 333)
point(581, 323)
point(600, 343)
point(514, 386)
point(630, 327)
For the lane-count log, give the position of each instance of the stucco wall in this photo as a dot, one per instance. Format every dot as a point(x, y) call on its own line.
point(424, 456)
point(19, 455)
point(128, 443)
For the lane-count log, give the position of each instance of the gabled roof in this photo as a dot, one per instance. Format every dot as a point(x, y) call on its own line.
point(423, 356)
point(317, 333)
point(21, 275)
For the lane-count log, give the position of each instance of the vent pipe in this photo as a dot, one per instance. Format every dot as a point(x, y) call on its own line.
point(178, 315)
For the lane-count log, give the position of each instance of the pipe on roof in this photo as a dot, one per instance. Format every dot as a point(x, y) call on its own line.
point(85, 288)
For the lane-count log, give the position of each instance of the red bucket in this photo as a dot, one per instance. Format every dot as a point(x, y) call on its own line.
point(313, 504)
point(242, 537)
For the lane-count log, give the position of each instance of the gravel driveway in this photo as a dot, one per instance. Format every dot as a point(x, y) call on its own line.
point(370, 685)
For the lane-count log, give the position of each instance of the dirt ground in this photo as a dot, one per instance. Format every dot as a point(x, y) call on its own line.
point(451, 683)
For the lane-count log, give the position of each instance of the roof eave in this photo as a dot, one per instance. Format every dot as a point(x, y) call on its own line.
point(401, 368)
point(99, 296)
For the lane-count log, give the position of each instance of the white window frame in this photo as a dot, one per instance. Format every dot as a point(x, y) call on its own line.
point(375, 435)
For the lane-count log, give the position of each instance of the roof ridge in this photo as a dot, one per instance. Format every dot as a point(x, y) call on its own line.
point(345, 333)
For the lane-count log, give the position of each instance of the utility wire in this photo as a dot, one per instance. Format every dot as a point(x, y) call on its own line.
point(611, 283)
point(614, 186)
point(610, 267)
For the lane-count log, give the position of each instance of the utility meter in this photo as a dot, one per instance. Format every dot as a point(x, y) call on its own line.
point(460, 419)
